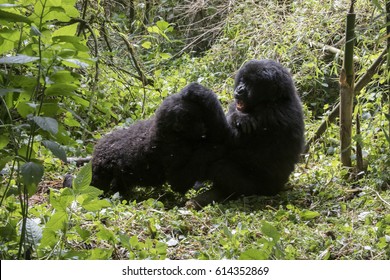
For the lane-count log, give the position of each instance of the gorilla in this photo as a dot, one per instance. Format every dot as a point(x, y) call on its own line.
point(266, 135)
point(251, 150)
point(172, 146)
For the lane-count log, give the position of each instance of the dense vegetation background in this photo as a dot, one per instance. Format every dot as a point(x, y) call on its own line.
point(73, 70)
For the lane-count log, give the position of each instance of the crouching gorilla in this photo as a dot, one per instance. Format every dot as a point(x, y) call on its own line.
point(173, 146)
point(250, 151)
point(267, 134)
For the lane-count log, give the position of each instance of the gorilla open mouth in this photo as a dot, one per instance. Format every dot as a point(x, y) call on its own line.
point(240, 105)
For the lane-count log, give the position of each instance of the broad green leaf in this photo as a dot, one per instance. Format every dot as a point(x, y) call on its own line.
point(58, 221)
point(154, 29)
point(50, 109)
point(32, 173)
point(146, 45)
point(47, 124)
point(83, 179)
point(270, 231)
point(18, 59)
point(165, 55)
point(61, 90)
point(309, 215)
point(64, 77)
point(56, 149)
point(11, 17)
point(125, 241)
point(162, 24)
point(63, 201)
point(254, 254)
point(69, 120)
point(80, 100)
point(84, 234)
point(133, 241)
point(161, 248)
point(56, 13)
point(96, 204)
point(69, 30)
point(26, 108)
point(33, 232)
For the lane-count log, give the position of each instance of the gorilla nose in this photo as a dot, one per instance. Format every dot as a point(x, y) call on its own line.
point(240, 89)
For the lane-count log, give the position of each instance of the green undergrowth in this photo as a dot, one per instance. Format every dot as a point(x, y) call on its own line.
point(317, 217)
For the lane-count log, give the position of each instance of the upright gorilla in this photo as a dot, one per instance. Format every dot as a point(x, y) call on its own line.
point(267, 134)
point(173, 146)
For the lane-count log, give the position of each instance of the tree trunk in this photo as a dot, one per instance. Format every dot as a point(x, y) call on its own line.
point(347, 81)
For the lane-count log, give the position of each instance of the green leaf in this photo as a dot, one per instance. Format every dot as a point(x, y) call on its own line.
point(105, 234)
point(100, 254)
point(84, 234)
point(96, 204)
point(32, 174)
point(162, 24)
point(161, 248)
point(56, 149)
point(83, 179)
point(4, 161)
point(33, 232)
point(4, 140)
point(165, 55)
point(11, 17)
point(254, 254)
point(75, 63)
point(80, 100)
point(18, 59)
point(63, 201)
point(270, 231)
point(47, 124)
point(64, 77)
point(61, 90)
point(146, 45)
point(133, 241)
point(58, 221)
point(69, 30)
point(35, 31)
point(309, 215)
point(69, 120)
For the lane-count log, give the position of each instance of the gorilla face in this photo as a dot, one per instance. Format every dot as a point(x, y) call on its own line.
point(260, 81)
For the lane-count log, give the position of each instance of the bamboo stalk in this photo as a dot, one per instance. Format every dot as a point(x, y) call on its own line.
point(347, 81)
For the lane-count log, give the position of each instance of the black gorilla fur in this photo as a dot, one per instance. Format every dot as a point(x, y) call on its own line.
point(170, 147)
point(267, 134)
point(250, 151)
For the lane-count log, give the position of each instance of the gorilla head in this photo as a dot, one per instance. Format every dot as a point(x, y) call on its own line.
point(261, 81)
